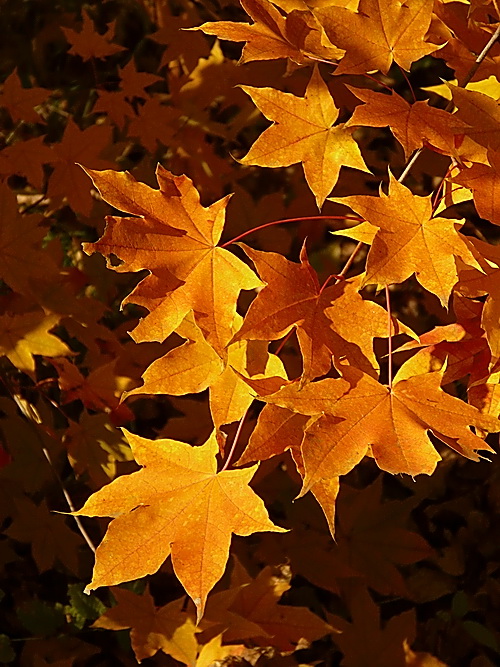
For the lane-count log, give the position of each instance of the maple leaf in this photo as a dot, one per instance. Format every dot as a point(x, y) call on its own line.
point(187, 369)
point(413, 125)
point(20, 245)
point(380, 647)
point(177, 504)
point(154, 123)
point(303, 131)
point(378, 33)
point(253, 609)
point(182, 49)
point(51, 539)
point(95, 446)
point(461, 345)
point(372, 536)
point(100, 390)
point(67, 179)
point(293, 297)
point(484, 181)
point(26, 158)
point(409, 240)
point(462, 38)
point(168, 628)
point(24, 335)
point(194, 366)
point(391, 423)
point(21, 102)
point(482, 114)
point(88, 43)
point(115, 105)
point(133, 82)
point(298, 36)
point(175, 238)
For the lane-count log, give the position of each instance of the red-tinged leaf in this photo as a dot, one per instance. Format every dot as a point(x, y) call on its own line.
point(391, 423)
point(331, 322)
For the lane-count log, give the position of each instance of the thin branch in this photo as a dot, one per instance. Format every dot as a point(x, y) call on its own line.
point(480, 58)
point(69, 502)
point(389, 333)
point(31, 417)
point(450, 104)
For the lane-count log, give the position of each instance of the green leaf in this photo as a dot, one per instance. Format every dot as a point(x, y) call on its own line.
point(481, 634)
point(41, 619)
point(82, 607)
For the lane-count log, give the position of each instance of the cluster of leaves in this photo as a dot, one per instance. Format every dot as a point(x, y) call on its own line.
point(284, 304)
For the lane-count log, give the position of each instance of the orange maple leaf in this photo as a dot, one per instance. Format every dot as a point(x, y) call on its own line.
point(413, 125)
point(283, 624)
point(177, 504)
point(331, 322)
point(390, 422)
point(175, 238)
point(380, 647)
point(378, 33)
point(409, 240)
point(21, 246)
point(482, 114)
point(195, 366)
point(26, 158)
point(303, 131)
point(273, 36)
point(374, 539)
point(484, 181)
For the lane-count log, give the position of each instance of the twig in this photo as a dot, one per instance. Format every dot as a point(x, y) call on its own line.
point(450, 104)
point(69, 501)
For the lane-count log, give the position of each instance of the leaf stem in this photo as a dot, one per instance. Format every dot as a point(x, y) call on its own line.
point(408, 83)
point(283, 343)
point(82, 530)
point(349, 262)
point(389, 333)
point(279, 222)
point(235, 440)
point(332, 275)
